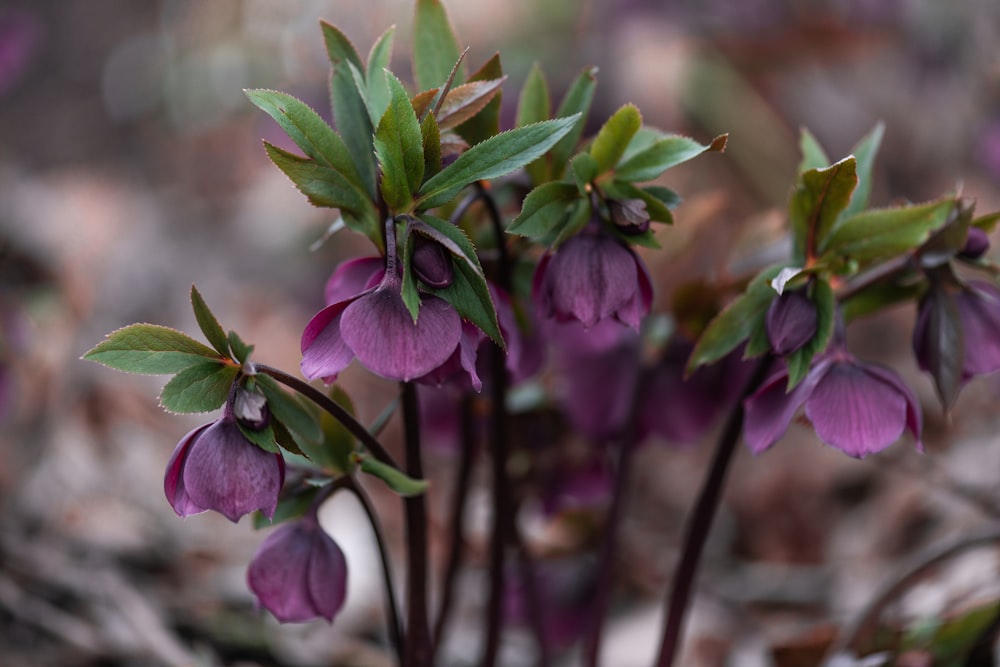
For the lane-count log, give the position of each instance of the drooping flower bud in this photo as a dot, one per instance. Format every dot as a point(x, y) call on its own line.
point(432, 263)
point(976, 244)
point(790, 322)
point(250, 409)
point(629, 215)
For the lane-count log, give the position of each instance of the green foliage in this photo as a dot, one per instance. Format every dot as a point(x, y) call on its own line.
point(202, 387)
point(534, 106)
point(818, 200)
point(399, 145)
point(150, 349)
point(665, 152)
point(486, 123)
point(813, 155)
point(544, 210)
point(576, 101)
point(297, 415)
point(435, 47)
point(208, 324)
point(614, 136)
point(379, 59)
point(395, 479)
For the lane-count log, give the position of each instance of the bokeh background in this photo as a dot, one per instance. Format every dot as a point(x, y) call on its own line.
point(131, 167)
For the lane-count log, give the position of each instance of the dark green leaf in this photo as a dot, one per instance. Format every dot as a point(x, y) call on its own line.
point(289, 409)
point(263, 438)
point(395, 479)
point(813, 155)
point(576, 101)
point(399, 147)
point(241, 351)
point(431, 134)
point(800, 360)
point(666, 152)
point(579, 215)
point(613, 137)
point(150, 349)
point(486, 123)
point(495, 157)
point(880, 234)
point(350, 110)
point(209, 325)
point(379, 59)
point(470, 297)
point(200, 388)
point(669, 198)
point(655, 208)
point(819, 197)
point(435, 48)
point(338, 446)
point(534, 106)
point(865, 153)
point(411, 297)
point(289, 507)
point(875, 298)
point(944, 344)
point(736, 322)
point(544, 209)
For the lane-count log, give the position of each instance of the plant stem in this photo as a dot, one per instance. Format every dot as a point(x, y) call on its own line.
point(418, 647)
point(701, 521)
point(392, 610)
point(609, 551)
point(356, 428)
point(463, 480)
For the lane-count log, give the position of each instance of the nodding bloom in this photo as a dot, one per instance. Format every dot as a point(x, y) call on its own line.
point(374, 325)
point(591, 277)
point(857, 407)
point(978, 308)
point(215, 467)
point(299, 573)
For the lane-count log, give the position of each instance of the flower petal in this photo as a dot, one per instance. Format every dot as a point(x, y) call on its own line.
point(769, 410)
point(173, 479)
point(326, 579)
point(856, 411)
point(979, 310)
point(914, 415)
point(353, 277)
point(638, 306)
point(379, 329)
point(324, 352)
point(277, 574)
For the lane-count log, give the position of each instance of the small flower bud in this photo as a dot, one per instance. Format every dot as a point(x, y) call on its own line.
point(250, 409)
point(432, 263)
point(629, 215)
point(976, 244)
point(791, 322)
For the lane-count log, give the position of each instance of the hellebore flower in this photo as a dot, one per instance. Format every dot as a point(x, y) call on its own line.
point(976, 244)
point(591, 277)
point(299, 573)
point(215, 467)
point(790, 321)
point(375, 326)
point(856, 407)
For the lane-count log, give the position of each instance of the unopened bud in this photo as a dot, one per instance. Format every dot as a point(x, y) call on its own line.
point(432, 263)
point(250, 409)
point(629, 215)
point(790, 322)
point(976, 244)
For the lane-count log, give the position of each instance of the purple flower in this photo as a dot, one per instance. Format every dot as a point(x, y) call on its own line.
point(375, 326)
point(790, 321)
point(215, 467)
point(978, 308)
point(591, 277)
point(856, 407)
point(299, 573)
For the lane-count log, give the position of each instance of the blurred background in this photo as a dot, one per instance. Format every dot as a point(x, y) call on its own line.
point(131, 167)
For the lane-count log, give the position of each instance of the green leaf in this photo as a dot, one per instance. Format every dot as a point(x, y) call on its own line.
point(486, 123)
point(435, 48)
point(865, 153)
point(350, 109)
point(819, 197)
point(668, 197)
point(327, 187)
point(469, 295)
point(200, 388)
point(399, 145)
point(880, 234)
point(736, 322)
point(576, 101)
point(944, 344)
point(876, 297)
point(585, 170)
point(150, 349)
point(813, 155)
point(655, 208)
point(241, 351)
point(800, 360)
point(579, 215)
point(208, 324)
point(308, 130)
point(288, 508)
point(497, 156)
point(379, 59)
point(544, 209)
point(395, 479)
point(263, 438)
point(533, 106)
point(613, 137)
point(666, 152)
point(431, 134)
point(289, 409)
point(411, 297)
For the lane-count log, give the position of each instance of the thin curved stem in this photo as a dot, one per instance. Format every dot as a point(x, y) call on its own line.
point(392, 610)
point(701, 521)
point(418, 646)
point(356, 428)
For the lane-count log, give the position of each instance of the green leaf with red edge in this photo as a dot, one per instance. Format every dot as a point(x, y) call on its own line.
point(150, 349)
point(399, 145)
point(577, 100)
point(736, 322)
point(209, 325)
point(614, 136)
point(662, 154)
point(816, 204)
point(435, 47)
point(200, 388)
point(486, 123)
point(497, 156)
point(350, 109)
point(465, 101)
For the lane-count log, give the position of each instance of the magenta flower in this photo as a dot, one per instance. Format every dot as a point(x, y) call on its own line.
point(375, 326)
point(856, 407)
point(978, 308)
point(299, 573)
point(215, 467)
point(591, 277)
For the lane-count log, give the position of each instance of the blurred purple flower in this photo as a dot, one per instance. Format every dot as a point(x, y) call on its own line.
point(856, 407)
point(215, 467)
point(299, 573)
point(20, 36)
point(591, 277)
point(571, 486)
point(790, 321)
point(978, 307)
point(976, 244)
